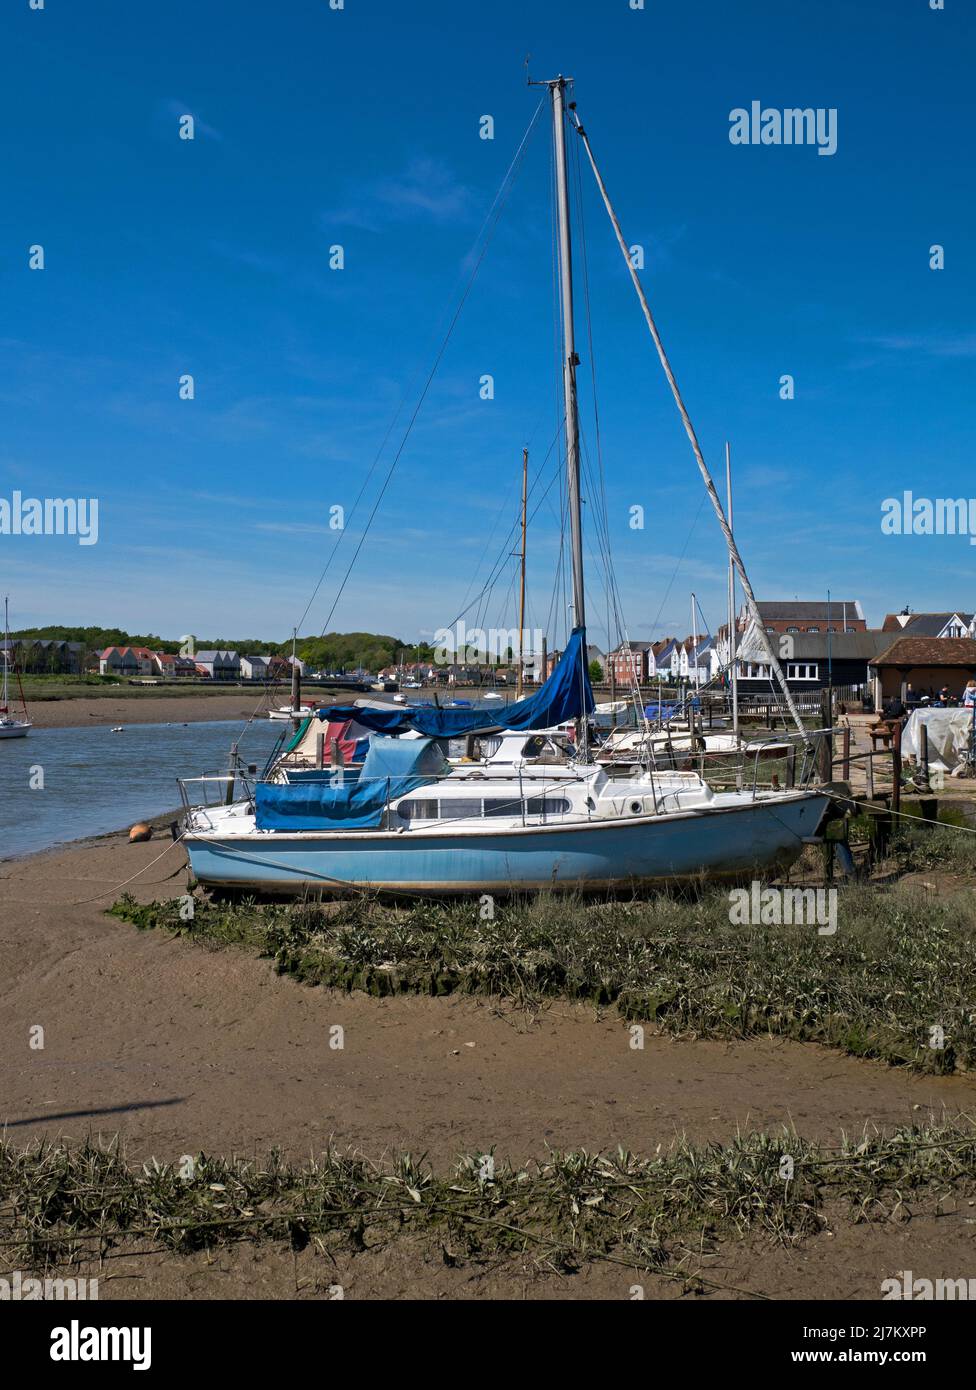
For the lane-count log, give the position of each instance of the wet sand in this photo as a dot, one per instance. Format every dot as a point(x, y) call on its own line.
point(181, 1049)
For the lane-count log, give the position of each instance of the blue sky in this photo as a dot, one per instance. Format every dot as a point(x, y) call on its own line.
point(360, 127)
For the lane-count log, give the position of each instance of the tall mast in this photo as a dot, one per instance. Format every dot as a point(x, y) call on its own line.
point(525, 499)
point(570, 360)
point(733, 664)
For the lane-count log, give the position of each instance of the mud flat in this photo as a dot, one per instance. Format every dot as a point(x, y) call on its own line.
point(81, 710)
point(182, 1050)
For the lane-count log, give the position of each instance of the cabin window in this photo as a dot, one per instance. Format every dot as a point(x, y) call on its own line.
point(461, 807)
point(456, 808)
point(546, 806)
point(417, 810)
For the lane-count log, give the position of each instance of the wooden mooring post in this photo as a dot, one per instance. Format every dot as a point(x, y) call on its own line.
point(826, 740)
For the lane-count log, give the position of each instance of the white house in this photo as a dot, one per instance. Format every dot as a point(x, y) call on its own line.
point(254, 668)
point(659, 659)
point(696, 663)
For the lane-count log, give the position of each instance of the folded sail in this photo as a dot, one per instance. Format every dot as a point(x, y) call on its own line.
point(567, 694)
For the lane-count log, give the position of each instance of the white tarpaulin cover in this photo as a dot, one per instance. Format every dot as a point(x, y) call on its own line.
point(949, 733)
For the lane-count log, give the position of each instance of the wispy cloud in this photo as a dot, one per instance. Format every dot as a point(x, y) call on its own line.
point(297, 528)
point(927, 344)
point(426, 190)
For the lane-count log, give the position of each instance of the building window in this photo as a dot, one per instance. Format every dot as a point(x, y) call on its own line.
point(815, 629)
point(802, 671)
point(792, 629)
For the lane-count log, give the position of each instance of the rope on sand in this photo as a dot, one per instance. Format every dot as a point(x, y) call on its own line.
point(110, 892)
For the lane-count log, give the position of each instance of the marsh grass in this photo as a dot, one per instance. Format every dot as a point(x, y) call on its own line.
point(60, 1205)
point(900, 964)
point(951, 848)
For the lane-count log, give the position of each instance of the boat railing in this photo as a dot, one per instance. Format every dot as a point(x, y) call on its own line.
point(216, 789)
point(802, 757)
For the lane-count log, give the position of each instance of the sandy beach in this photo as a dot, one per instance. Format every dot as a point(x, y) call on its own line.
point(180, 1049)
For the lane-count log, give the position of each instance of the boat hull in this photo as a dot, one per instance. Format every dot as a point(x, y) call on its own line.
point(14, 730)
point(731, 843)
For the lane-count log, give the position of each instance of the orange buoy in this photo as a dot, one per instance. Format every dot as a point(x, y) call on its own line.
point(140, 831)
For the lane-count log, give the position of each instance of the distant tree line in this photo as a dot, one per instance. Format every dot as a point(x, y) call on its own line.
point(336, 651)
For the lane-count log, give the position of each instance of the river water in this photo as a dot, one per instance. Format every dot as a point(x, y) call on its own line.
point(95, 780)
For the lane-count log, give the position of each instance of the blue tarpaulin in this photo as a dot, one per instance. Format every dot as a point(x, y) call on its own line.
point(392, 768)
point(662, 712)
point(567, 694)
point(666, 711)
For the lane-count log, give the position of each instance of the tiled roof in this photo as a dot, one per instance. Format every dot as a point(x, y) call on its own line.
point(814, 609)
point(929, 651)
point(814, 646)
point(931, 624)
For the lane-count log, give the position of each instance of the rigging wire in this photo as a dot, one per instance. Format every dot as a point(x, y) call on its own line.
point(494, 213)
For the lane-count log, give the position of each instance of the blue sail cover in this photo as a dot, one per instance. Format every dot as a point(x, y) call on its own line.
point(392, 768)
point(567, 694)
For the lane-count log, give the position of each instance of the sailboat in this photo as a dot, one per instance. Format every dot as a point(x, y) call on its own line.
point(9, 727)
point(411, 820)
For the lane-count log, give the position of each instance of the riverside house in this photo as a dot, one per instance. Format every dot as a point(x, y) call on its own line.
point(126, 661)
point(44, 656)
point(219, 665)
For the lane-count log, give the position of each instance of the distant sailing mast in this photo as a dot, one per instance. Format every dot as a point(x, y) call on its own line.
point(10, 727)
point(521, 640)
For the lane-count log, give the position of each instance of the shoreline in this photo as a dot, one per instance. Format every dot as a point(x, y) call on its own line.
point(78, 712)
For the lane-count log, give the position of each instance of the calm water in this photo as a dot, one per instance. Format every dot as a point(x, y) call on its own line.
point(96, 781)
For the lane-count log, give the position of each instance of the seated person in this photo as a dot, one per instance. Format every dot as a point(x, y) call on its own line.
point(892, 708)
